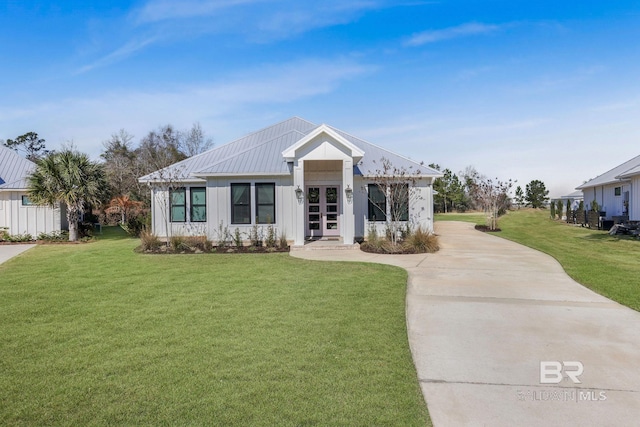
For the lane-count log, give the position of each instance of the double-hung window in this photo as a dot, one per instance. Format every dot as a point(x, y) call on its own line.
point(400, 196)
point(241, 203)
point(178, 210)
point(198, 204)
point(377, 203)
point(266, 203)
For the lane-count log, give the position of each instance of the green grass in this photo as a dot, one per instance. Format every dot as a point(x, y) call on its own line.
point(96, 334)
point(474, 217)
point(609, 265)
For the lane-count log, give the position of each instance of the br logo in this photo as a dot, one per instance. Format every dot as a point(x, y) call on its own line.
point(552, 371)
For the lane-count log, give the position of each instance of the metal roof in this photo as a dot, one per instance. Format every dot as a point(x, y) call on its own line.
point(14, 169)
point(260, 153)
point(612, 176)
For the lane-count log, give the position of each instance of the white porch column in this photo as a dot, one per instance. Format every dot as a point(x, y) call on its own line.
point(298, 220)
point(348, 224)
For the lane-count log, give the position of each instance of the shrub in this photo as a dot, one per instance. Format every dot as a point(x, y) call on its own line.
point(282, 241)
point(372, 232)
point(237, 238)
point(270, 239)
point(149, 241)
point(193, 243)
point(136, 223)
point(223, 235)
point(55, 236)
point(422, 241)
point(19, 238)
point(255, 236)
point(552, 210)
point(4, 234)
point(177, 243)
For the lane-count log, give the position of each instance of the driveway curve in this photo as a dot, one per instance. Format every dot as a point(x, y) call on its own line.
point(9, 251)
point(492, 323)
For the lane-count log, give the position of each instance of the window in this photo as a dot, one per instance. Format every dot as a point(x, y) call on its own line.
point(266, 203)
point(198, 204)
point(178, 205)
point(241, 203)
point(377, 204)
point(400, 202)
point(618, 191)
point(26, 201)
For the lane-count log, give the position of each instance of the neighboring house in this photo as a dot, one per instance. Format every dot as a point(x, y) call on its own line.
point(307, 180)
point(17, 213)
point(616, 191)
point(575, 198)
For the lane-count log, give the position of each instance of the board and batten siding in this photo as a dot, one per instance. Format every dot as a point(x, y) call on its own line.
point(634, 199)
point(31, 219)
point(218, 194)
point(605, 196)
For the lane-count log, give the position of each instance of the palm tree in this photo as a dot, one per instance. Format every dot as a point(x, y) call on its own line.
point(67, 177)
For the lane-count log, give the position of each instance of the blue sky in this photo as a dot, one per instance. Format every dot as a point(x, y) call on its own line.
point(525, 90)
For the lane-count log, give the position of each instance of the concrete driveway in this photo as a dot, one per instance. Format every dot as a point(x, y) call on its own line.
point(484, 312)
point(9, 251)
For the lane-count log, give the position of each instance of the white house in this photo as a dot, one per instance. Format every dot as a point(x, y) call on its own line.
point(17, 213)
point(616, 191)
point(307, 180)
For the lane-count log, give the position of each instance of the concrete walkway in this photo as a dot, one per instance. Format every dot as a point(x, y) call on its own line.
point(9, 251)
point(484, 312)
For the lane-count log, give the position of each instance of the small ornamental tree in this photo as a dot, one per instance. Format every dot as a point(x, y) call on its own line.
point(492, 195)
point(552, 210)
point(398, 186)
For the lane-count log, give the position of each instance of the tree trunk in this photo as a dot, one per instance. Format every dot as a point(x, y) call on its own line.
point(73, 216)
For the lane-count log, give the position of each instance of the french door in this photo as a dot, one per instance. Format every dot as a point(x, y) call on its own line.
point(323, 211)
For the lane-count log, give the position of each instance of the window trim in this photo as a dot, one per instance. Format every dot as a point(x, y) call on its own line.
point(258, 204)
point(233, 205)
point(196, 205)
point(372, 206)
point(183, 190)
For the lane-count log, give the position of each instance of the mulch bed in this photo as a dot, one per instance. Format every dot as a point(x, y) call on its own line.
point(215, 250)
point(486, 229)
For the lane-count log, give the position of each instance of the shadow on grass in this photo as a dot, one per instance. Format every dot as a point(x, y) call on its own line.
point(605, 236)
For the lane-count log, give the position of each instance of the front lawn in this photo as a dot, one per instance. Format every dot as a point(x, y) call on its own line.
point(96, 334)
point(606, 264)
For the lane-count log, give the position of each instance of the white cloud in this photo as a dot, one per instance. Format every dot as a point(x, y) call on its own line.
point(119, 54)
point(89, 121)
point(162, 10)
point(464, 30)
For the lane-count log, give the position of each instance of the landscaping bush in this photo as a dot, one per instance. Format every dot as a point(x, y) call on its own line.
point(149, 241)
point(4, 234)
point(415, 242)
point(55, 236)
point(422, 241)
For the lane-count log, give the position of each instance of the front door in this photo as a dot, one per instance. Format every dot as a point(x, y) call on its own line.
point(323, 211)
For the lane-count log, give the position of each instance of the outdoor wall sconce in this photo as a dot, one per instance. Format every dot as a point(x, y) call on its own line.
point(299, 194)
point(349, 193)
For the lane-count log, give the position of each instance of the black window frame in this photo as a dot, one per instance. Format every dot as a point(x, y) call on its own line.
point(617, 191)
point(404, 215)
point(374, 206)
point(182, 190)
point(28, 200)
point(197, 205)
point(233, 204)
point(271, 219)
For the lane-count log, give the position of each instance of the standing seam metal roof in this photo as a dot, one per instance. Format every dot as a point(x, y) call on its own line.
point(14, 169)
point(612, 175)
point(261, 153)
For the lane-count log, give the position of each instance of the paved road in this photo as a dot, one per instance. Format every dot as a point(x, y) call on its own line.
point(483, 313)
point(9, 251)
